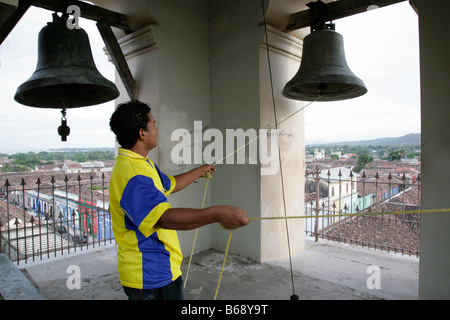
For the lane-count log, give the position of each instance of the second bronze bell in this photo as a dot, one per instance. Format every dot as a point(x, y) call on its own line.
point(324, 73)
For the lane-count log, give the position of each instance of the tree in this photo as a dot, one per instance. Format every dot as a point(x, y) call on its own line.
point(364, 159)
point(396, 155)
point(81, 157)
point(6, 168)
point(334, 157)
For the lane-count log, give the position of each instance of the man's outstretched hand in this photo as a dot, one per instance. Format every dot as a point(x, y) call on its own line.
point(232, 217)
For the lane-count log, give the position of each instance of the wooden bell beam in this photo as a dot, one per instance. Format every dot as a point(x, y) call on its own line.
point(332, 11)
point(88, 11)
point(118, 58)
point(8, 23)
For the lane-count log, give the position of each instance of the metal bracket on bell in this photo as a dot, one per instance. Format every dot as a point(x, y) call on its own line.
point(330, 26)
point(317, 21)
point(63, 129)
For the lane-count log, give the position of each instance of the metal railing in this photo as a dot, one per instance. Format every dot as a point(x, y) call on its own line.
point(332, 196)
point(61, 214)
point(50, 217)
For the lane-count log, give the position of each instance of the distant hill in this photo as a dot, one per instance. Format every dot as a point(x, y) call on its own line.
point(409, 139)
point(81, 149)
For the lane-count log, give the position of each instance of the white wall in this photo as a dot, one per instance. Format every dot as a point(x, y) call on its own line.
point(182, 40)
point(235, 40)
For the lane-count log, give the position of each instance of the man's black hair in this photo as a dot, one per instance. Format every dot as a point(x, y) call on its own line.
point(127, 120)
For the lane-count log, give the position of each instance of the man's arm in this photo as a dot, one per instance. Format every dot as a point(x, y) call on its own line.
point(187, 219)
point(185, 179)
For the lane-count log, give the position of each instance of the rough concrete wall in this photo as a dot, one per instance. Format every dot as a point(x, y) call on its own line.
point(235, 41)
point(182, 39)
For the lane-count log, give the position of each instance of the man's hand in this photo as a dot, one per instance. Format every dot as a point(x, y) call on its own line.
point(232, 217)
point(206, 169)
point(185, 179)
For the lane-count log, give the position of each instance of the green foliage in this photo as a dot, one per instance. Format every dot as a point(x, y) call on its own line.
point(6, 168)
point(396, 155)
point(385, 152)
point(22, 162)
point(364, 159)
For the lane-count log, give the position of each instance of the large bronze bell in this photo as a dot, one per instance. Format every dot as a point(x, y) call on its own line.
point(324, 73)
point(65, 75)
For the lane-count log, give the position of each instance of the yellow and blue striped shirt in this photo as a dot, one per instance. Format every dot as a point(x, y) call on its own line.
point(148, 256)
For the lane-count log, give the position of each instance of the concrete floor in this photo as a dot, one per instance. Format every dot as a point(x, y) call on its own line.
point(325, 270)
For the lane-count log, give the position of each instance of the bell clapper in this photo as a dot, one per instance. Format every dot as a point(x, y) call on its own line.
point(322, 88)
point(63, 129)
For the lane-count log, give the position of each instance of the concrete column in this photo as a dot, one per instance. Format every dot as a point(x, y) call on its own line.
point(235, 38)
point(241, 98)
point(434, 271)
point(183, 93)
point(284, 53)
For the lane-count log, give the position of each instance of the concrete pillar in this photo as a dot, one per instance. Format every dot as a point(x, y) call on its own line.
point(241, 97)
point(235, 38)
point(434, 271)
point(182, 67)
point(284, 53)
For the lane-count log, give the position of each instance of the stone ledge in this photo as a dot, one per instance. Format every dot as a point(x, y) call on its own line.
point(14, 285)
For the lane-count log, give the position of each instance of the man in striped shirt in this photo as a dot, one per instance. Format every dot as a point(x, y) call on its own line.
point(144, 223)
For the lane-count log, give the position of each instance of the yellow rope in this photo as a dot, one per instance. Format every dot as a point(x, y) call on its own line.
point(190, 258)
point(321, 216)
point(270, 128)
point(208, 177)
point(352, 214)
point(223, 263)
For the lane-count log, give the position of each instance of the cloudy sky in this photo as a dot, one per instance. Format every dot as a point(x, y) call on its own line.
point(381, 48)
